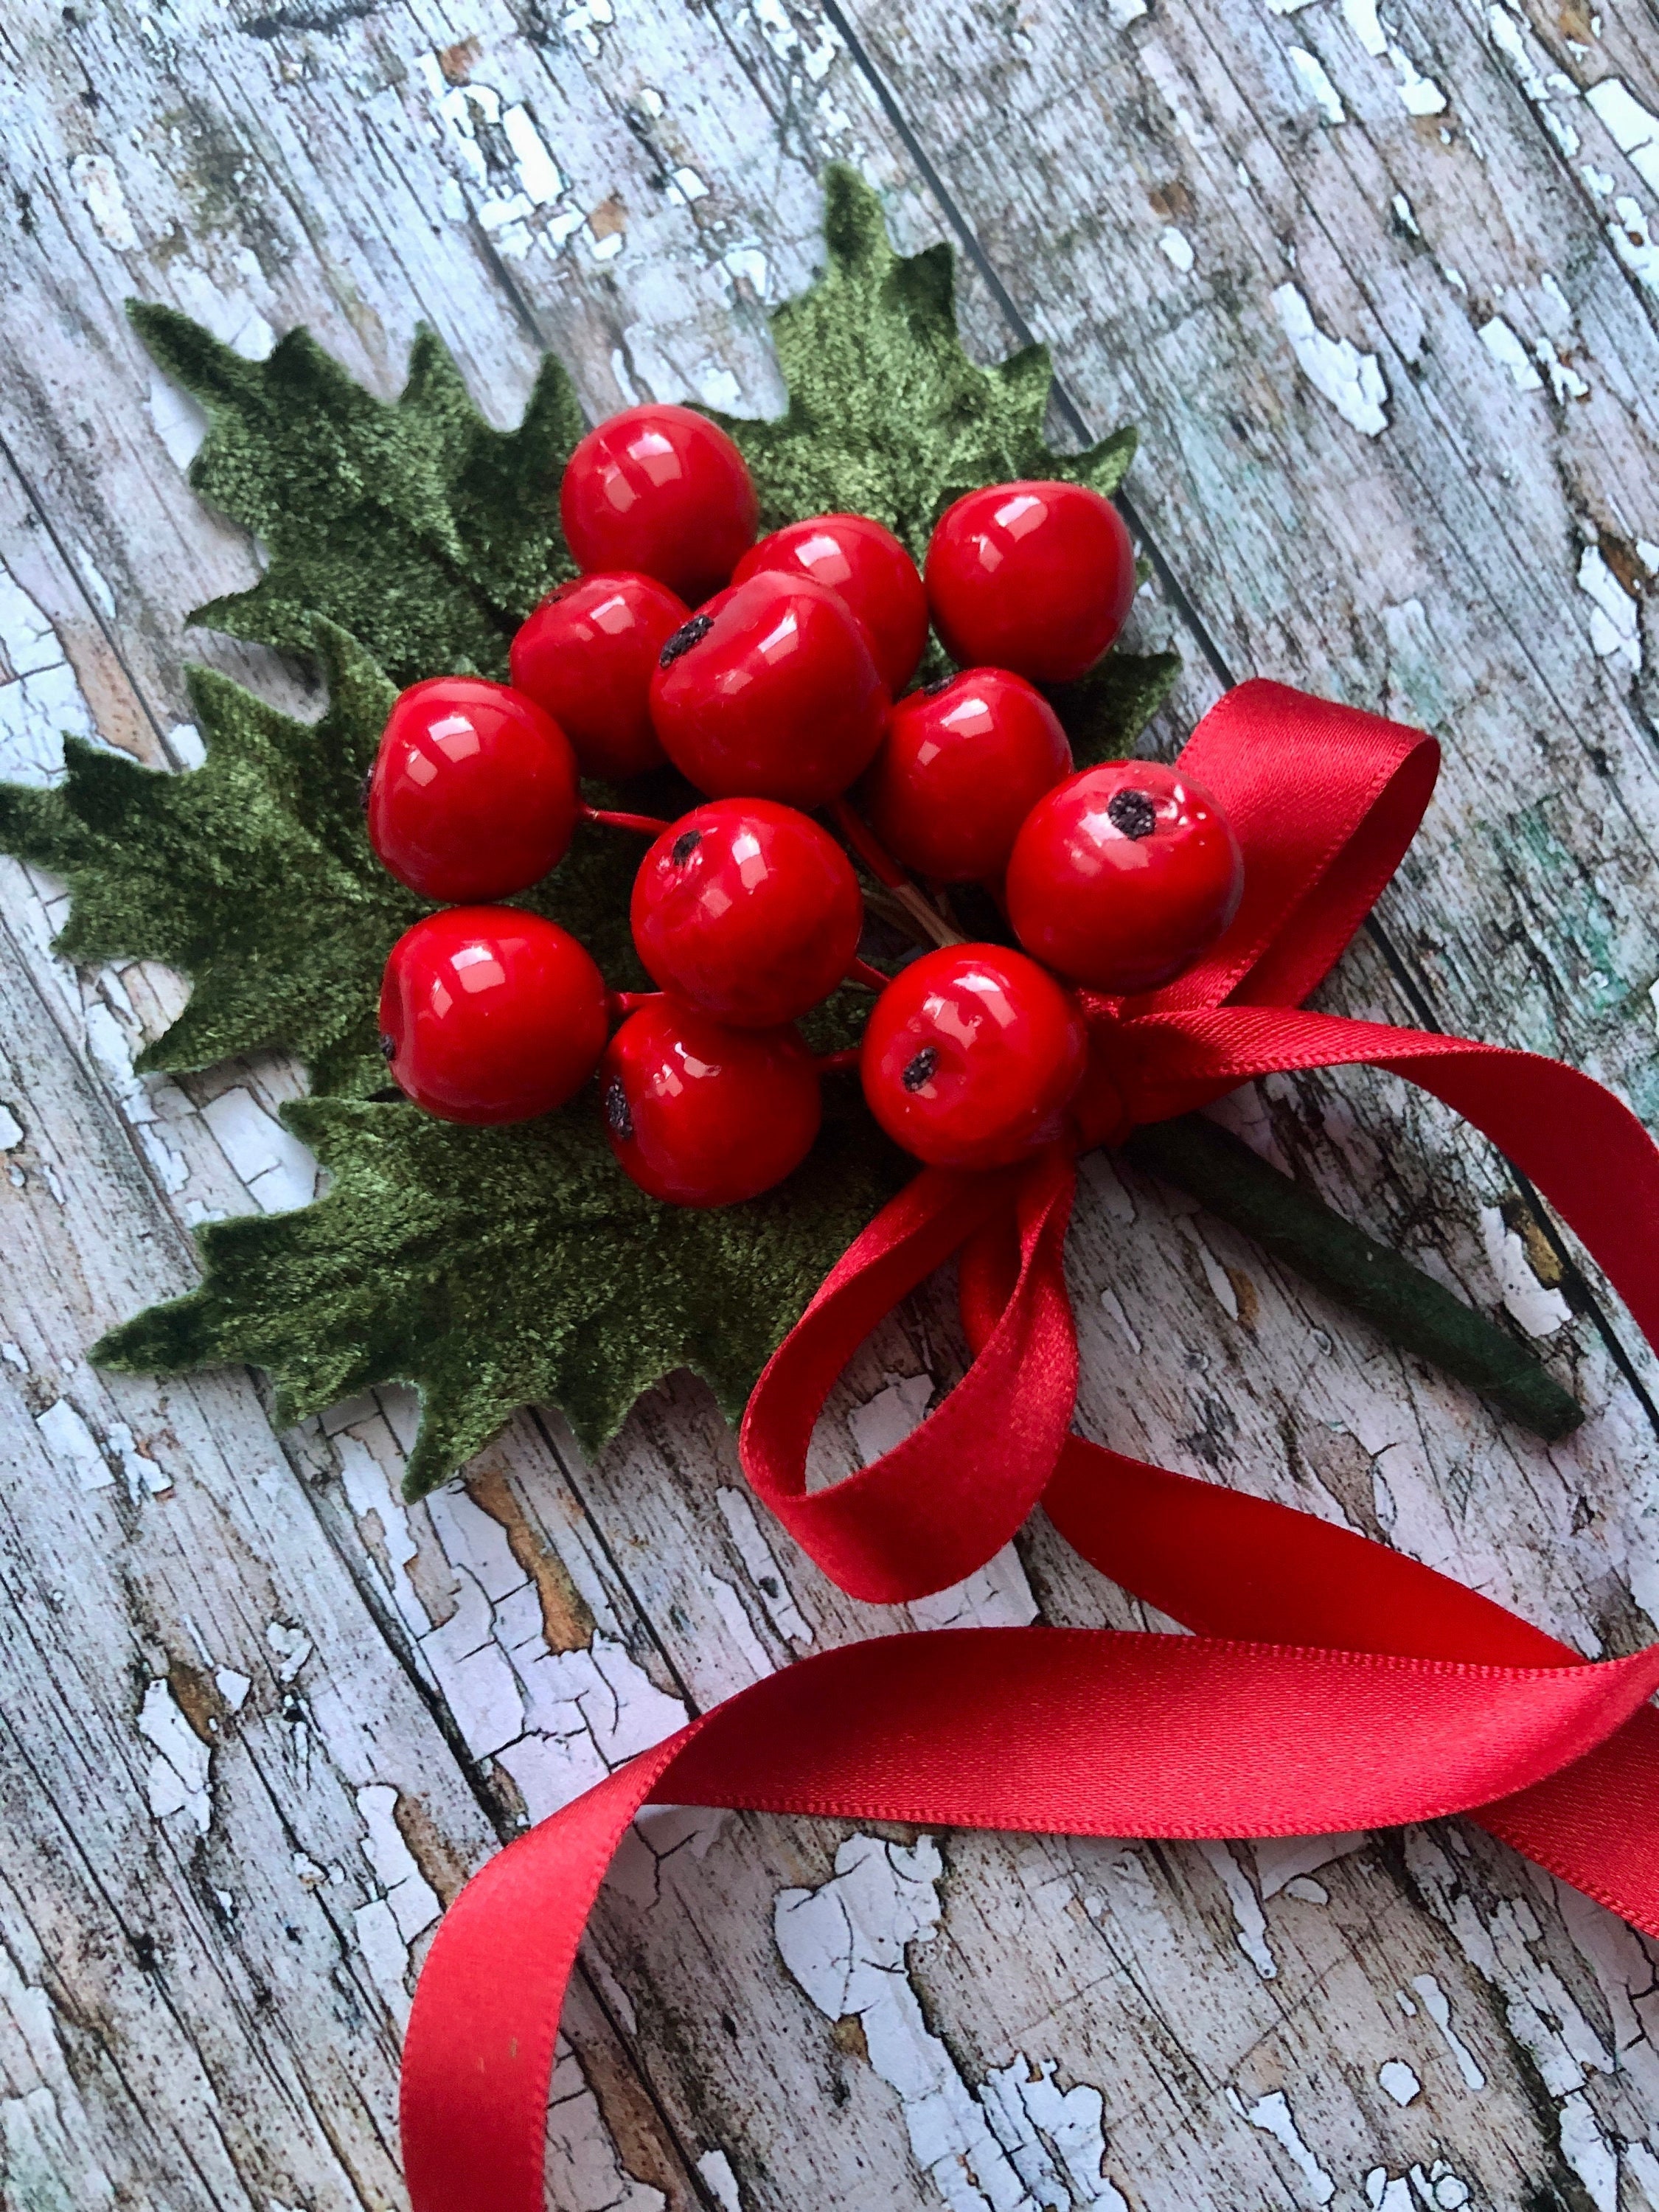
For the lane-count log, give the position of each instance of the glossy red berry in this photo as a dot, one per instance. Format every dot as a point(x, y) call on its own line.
point(490, 1014)
point(961, 765)
point(473, 791)
point(867, 569)
point(971, 1057)
point(586, 656)
point(1124, 876)
point(1035, 577)
point(703, 1116)
point(748, 911)
point(663, 490)
point(769, 691)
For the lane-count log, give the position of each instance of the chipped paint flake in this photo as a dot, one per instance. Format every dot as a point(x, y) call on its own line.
point(1273, 2115)
point(1540, 1311)
point(1282, 1859)
point(1507, 350)
point(1249, 1921)
point(1176, 247)
point(1614, 631)
point(1119, 13)
point(1633, 128)
point(1019, 2143)
point(1360, 16)
point(1421, 94)
point(1509, 36)
point(1397, 2080)
point(714, 2169)
point(1350, 379)
point(1565, 382)
point(1634, 243)
point(1438, 2005)
point(177, 1778)
point(64, 1432)
point(413, 1900)
point(1310, 73)
point(889, 1417)
point(1588, 2152)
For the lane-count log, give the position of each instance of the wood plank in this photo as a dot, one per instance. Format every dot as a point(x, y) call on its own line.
point(656, 1544)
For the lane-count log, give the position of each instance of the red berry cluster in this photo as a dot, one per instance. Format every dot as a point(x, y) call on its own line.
point(783, 692)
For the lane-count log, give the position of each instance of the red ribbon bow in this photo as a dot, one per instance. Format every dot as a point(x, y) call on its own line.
point(1385, 1691)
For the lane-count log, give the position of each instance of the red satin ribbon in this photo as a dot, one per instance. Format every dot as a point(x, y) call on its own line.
point(1333, 1685)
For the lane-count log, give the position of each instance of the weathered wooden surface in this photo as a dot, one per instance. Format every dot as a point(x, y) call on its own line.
point(1382, 292)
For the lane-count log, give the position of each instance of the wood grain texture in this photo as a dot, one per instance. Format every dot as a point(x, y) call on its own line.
point(783, 2014)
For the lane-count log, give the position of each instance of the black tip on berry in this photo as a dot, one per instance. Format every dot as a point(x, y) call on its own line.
point(919, 1073)
point(388, 1047)
point(618, 1120)
point(687, 635)
point(1131, 814)
point(684, 847)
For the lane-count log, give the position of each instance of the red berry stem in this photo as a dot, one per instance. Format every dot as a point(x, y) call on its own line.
point(886, 869)
point(828, 1063)
point(620, 1004)
point(646, 825)
point(872, 978)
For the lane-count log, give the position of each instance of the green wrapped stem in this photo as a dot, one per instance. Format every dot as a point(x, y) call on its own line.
point(1410, 1308)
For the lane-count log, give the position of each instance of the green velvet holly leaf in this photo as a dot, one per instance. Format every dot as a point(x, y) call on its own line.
point(253, 875)
point(493, 1268)
point(410, 523)
point(1107, 710)
point(887, 415)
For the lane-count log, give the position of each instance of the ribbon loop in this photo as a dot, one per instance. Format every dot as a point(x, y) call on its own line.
point(939, 1505)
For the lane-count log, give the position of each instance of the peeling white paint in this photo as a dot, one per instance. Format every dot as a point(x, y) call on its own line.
point(1177, 248)
point(1397, 2080)
point(1402, 208)
point(1502, 343)
point(1019, 2143)
point(888, 1418)
point(46, 2138)
point(1419, 95)
point(1511, 37)
point(1119, 13)
point(414, 1902)
point(1633, 128)
point(99, 186)
point(1540, 1311)
point(177, 1779)
point(180, 421)
point(1588, 2151)
point(1438, 2005)
point(1273, 2115)
point(1565, 382)
point(1360, 16)
point(1634, 243)
point(582, 2153)
point(40, 699)
point(64, 1432)
point(1350, 379)
point(1614, 629)
point(279, 1172)
point(1249, 1921)
point(1310, 73)
point(715, 2170)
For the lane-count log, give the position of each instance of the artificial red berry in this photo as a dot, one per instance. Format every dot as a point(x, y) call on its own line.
point(586, 656)
point(472, 794)
point(1122, 877)
point(769, 691)
point(866, 566)
point(748, 911)
point(663, 490)
point(971, 1057)
point(703, 1116)
point(1035, 577)
point(490, 1014)
point(961, 765)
